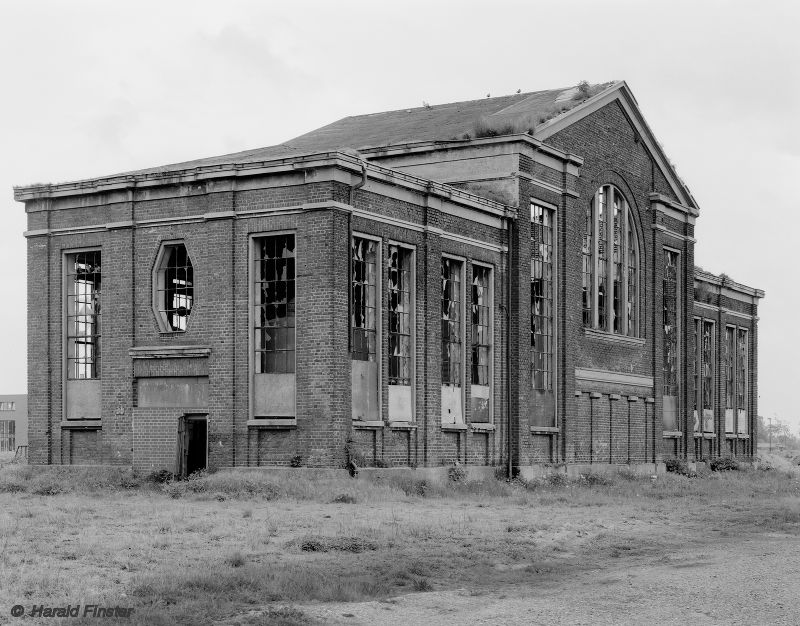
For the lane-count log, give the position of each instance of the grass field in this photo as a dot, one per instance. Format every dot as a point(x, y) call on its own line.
point(245, 549)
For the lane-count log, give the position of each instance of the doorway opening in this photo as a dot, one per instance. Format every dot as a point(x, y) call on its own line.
point(192, 444)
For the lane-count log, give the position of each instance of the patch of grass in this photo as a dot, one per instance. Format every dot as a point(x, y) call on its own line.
point(490, 127)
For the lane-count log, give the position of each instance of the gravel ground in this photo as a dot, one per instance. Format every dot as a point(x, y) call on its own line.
point(755, 580)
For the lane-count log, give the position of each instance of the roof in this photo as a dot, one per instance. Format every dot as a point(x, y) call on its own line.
point(538, 114)
point(443, 122)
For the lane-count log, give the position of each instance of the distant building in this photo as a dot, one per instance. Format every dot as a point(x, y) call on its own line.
point(13, 422)
point(503, 281)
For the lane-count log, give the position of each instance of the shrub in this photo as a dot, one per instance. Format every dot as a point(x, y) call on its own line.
point(237, 559)
point(319, 543)
point(594, 478)
point(160, 476)
point(557, 479)
point(678, 466)
point(724, 464)
point(344, 498)
point(457, 473)
point(296, 461)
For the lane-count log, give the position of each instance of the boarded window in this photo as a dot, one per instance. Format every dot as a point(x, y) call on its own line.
point(83, 315)
point(481, 327)
point(364, 294)
point(400, 314)
point(7, 432)
point(452, 321)
point(274, 304)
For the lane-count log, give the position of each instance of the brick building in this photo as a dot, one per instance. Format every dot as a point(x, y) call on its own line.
point(13, 423)
point(502, 281)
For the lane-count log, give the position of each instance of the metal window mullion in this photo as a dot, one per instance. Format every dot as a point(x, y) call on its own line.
point(596, 260)
point(610, 313)
point(623, 255)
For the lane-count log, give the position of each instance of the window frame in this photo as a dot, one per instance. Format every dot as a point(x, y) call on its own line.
point(66, 254)
point(413, 322)
point(680, 420)
point(491, 346)
point(553, 209)
point(745, 383)
point(462, 275)
point(158, 289)
point(8, 435)
point(628, 223)
point(251, 283)
point(700, 363)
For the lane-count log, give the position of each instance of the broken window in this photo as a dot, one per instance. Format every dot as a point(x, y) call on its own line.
point(8, 406)
point(7, 432)
point(400, 314)
point(741, 381)
point(452, 330)
point(696, 364)
point(587, 253)
point(542, 348)
point(602, 254)
point(729, 363)
point(175, 291)
point(274, 304)
point(364, 295)
point(671, 339)
point(481, 326)
point(708, 360)
point(83, 315)
point(610, 273)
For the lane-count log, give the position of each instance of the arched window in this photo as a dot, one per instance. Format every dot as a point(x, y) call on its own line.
point(610, 269)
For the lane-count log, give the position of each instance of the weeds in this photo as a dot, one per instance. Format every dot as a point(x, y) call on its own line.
point(724, 465)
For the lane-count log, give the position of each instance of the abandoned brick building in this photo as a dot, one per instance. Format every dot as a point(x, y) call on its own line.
point(501, 282)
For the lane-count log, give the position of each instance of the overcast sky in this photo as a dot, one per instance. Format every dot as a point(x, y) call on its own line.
point(94, 88)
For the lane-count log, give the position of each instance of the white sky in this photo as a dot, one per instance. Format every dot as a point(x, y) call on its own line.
point(93, 88)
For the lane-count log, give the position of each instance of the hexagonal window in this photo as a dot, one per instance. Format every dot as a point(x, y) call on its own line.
point(173, 287)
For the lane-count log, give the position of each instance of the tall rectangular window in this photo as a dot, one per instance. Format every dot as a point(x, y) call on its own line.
point(400, 314)
point(452, 321)
point(274, 304)
point(7, 434)
point(481, 327)
point(602, 257)
point(741, 381)
point(542, 298)
point(616, 265)
point(542, 357)
point(708, 356)
point(696, 366)
point(364, 299)
point(633, 279)
point(587, 254)
point(729, 362)
point(83, 315)
point(671, 335)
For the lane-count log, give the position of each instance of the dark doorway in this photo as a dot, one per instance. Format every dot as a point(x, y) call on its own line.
point(192, 444)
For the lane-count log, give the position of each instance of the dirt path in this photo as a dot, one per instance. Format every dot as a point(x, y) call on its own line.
point(752, 580)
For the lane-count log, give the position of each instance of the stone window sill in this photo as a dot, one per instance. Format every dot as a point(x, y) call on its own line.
point(672, 434)
point(705, 435)
point(363, 424)
point(273, 423)
point(402, 425)
point(544, 430)
point(603, 335)
point(454, 427)
point(485, 427)
point(91, 424)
